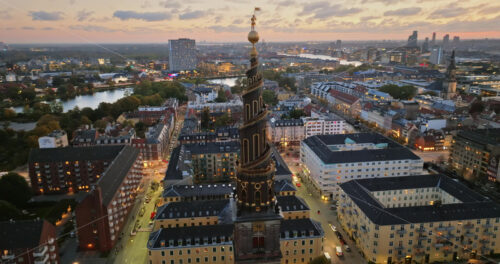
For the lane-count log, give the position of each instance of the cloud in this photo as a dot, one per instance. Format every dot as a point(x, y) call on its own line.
point(485, 11)
point(28, 28)
point(403, 11)
point(324, 9)
point(368, 18)
point(47, 28)
point(146, 16)
point(46, 16)
point(92, 28)
point(192, 15)
point(83, 15)
point(237, 21)
point(381, 1)
point(170, 4)
point(5, 15)
point(448, 12)
point(232, 29)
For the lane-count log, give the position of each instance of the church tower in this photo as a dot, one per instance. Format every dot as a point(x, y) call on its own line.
point(450, 83)
point(257, 224)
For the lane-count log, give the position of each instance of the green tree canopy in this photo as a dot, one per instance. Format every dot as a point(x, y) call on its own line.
point(403, 93)
point(269, 97)
point(8, 211)
point(14, 189)
point(221, 96)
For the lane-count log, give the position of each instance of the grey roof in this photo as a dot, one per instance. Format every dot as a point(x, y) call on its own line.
point(199, 190)
point(20, 234)
point(201, 90)
point(74, 153)
point(281, 166)
point(300, 225)
point(213, 147)
point(190, 233)
point(394, 151)
point(473, 206)
point(114, 175)
point(173, 172)
point(482, 136)
point(187, 209)
point(283, 186)
point(287, 122)
point(290, 203)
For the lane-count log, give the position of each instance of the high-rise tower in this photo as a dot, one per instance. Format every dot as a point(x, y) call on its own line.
point(450, 83)
point(257, 224)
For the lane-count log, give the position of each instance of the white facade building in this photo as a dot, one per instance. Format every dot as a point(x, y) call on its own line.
point(330, 160)
point(56, 139)
point(287, 131)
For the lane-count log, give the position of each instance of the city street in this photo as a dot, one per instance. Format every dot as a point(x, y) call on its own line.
point(432, 156)
point(326, 217)
point(132, 248)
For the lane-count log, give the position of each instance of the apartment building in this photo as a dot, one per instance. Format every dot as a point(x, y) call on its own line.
point(69, 169)
point(422, 219)
point(56, 139)
point(474, 151)
point(213, 162)
point(286, 131)
point(330, 160)
point(301, 240)
point(28, 241)
point(323, 124)
point(102, 212)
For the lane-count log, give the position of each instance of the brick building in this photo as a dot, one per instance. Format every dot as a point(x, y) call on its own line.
point(70, 169)
point(29, 241)
point(101, 214)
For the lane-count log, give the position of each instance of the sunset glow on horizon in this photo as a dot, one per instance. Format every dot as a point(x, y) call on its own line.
point(148, 21)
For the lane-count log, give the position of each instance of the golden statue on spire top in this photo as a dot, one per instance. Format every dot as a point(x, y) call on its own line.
point(253, 36)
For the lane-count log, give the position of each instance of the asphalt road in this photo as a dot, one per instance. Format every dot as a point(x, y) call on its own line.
point(326, 217)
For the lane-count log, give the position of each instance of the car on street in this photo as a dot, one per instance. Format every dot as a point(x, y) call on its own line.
point(338, 234)
point(338, 251)
point(328, 258)
point(333, 228)
point(298, 184)
point(347, 248)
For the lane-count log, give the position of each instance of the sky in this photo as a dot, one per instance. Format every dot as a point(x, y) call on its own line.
point(156, 21)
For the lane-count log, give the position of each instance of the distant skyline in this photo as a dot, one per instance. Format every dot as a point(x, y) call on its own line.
point(156, 21)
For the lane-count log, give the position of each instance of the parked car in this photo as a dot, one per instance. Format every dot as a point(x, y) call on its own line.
point(333, 228)
point(338, 251)
point(347, 248)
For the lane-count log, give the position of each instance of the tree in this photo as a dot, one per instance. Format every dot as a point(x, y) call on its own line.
point(403, 93)
point(14, 189)
point(297, 113)
point(205, 118)
point(221, 96)
point(319, 260)
point(56, 107)
point(476, 108)
point(222, 120)
point(140, 129)
point(8, 211)
point(100, 125)
point(269, 97)
point(8, 114)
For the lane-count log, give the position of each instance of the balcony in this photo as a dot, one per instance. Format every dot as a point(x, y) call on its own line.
point(484, 241)
point(421, 237)
point(468, 226)
point(488, 233)
point(420, 230)
point(419, 253)
point(7, 257)
point(441, 228)
point(42, 260)
point(39, 252)
point(468, 234)
point(487, 225)
point(418, 246)
point(401, 232)
point(399, 247)
point(438, 245)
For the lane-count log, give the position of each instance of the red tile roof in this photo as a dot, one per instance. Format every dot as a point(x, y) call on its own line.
point(346, 98)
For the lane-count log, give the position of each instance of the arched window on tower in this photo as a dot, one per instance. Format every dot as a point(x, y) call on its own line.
point(264, 148)
point(245, 152)
point(260, 102)
point(256, 146)
point(255, 109)
point(247, 107)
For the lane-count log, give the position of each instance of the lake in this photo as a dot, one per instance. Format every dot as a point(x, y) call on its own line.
point(324, 57)
point(90, 100)
point(227, 81)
